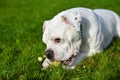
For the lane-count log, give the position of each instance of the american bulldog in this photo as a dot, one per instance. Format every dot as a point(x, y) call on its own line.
point(77, 33)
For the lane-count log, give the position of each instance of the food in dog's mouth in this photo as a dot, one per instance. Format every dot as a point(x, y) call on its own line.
point(69, 61)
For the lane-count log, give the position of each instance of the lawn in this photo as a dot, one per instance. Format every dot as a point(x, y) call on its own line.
point(21, 42)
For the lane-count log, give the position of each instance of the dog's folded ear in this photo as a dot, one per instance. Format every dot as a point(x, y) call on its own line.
point(73, 19)
point(45, 24)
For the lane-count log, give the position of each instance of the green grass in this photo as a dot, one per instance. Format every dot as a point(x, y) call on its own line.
point(21, 42)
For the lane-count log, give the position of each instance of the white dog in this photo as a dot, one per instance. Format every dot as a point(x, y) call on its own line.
point(77, 33)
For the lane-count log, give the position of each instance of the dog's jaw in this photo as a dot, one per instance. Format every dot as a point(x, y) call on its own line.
point(69, 61)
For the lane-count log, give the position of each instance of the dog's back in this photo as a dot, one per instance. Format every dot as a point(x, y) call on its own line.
point(108, 15)
point(109, 24)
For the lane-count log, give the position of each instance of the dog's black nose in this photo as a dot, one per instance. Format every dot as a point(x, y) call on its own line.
point(50, 54)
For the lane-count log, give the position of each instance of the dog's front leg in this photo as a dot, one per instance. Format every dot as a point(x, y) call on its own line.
point(46, 63)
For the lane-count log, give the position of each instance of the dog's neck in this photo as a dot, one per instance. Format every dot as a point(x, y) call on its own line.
point(81, 31)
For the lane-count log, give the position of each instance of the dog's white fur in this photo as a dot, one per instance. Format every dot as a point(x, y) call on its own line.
point(98, 27)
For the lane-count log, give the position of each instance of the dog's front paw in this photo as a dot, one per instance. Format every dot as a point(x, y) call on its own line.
point(46, 63)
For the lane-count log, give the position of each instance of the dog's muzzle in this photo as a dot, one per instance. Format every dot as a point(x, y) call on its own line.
point(50, 54)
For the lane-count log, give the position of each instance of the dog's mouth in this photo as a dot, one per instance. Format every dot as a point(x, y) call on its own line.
point(69, 61)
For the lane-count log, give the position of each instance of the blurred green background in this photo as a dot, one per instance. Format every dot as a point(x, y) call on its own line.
point(21, 42)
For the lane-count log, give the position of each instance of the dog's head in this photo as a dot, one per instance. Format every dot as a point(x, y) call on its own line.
point(62, 37)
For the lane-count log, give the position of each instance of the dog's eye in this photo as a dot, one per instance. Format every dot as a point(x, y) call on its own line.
point(57, 40)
